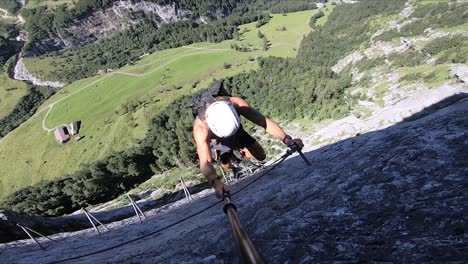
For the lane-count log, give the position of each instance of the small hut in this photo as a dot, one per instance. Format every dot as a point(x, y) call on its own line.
point(61, 134)
point(74, 128)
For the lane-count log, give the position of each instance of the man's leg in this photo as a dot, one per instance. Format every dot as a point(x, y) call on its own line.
point(254, 151)
point(221, 154)
point(249, 147)
point(226, 161)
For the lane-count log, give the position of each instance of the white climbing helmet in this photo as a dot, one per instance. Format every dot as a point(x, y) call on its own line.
point(222, 118)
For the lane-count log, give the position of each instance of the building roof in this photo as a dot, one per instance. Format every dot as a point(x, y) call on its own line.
point(61, 134)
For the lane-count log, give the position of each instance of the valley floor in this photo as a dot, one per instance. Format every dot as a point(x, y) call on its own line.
point(29, 154)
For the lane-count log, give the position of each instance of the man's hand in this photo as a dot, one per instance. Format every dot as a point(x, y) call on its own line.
point(290, 142)
point(220, 188)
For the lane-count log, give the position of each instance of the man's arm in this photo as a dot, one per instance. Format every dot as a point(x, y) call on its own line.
point(201, 135)
point(258, 118)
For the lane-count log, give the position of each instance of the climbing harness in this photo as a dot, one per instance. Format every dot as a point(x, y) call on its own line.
point(247, 249)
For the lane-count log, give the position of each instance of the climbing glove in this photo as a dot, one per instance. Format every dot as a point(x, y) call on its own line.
point(220, 188)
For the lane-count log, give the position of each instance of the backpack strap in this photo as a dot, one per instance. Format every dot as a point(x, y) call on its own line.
point(198, 102)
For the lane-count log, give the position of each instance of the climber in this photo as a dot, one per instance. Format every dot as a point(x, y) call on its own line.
point(217, 129)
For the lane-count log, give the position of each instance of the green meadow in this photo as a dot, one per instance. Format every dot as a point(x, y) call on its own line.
point(115, 107)
point(11, 92)
point(51, 4)
point(426, 2)
point(430, 75)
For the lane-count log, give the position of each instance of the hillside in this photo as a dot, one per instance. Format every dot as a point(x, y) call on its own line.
point(116, 121)
point(401, 59)
point(377, 90)
point(388, 195)
point(366, 58)
point(11, 92)
point(82, 39)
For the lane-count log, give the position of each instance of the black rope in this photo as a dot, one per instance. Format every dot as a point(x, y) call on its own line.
point(274, 165)
point(140, 237)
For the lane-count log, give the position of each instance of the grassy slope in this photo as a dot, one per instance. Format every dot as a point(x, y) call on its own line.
point(51, 4)
point(441, 74)
point(427, 74)
point(283, 43)
point(6, 20)
point(11, 92)
point(30, 155)
point(426, 2)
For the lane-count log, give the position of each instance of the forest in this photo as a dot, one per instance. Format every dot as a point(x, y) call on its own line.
point(125, 47)
point(435, 16)
point(6, 51)
point(11, 6)
point(25, 108)
point(147, 36)
point(282, 89)
point(8, 45)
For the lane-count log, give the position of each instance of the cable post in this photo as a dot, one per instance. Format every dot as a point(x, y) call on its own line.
point(224, 175)
point(27, 229)
point(136, 208)
point(91, 218)
point(188, 196)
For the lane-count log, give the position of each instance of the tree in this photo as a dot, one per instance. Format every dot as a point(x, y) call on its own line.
point(266, 44)
point(260, 34)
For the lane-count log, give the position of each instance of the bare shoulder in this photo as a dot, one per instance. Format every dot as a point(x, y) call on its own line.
point(237, 101)
point(244, 109)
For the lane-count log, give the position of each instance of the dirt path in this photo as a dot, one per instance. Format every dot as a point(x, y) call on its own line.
point(198, 50)
point(177, 57)
point(203, 48)
point(18, 18)
point(49, 107)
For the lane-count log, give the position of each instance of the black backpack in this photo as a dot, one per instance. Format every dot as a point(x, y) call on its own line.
point(197, 103)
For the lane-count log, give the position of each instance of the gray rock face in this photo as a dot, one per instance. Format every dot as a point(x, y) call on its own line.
point(101, 24)
point(76, 221)
point(460, 71)
point(22, 73)
point(9, 231)
point(393, 195)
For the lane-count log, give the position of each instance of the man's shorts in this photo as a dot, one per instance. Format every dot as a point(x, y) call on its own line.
point(239, 140)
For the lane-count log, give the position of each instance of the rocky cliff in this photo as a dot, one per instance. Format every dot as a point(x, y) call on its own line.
point(22, 73)
point(78, 221)
point(118, 17)
point(391, 195)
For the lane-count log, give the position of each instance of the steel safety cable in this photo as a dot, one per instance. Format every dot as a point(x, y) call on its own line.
point(273, 166)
